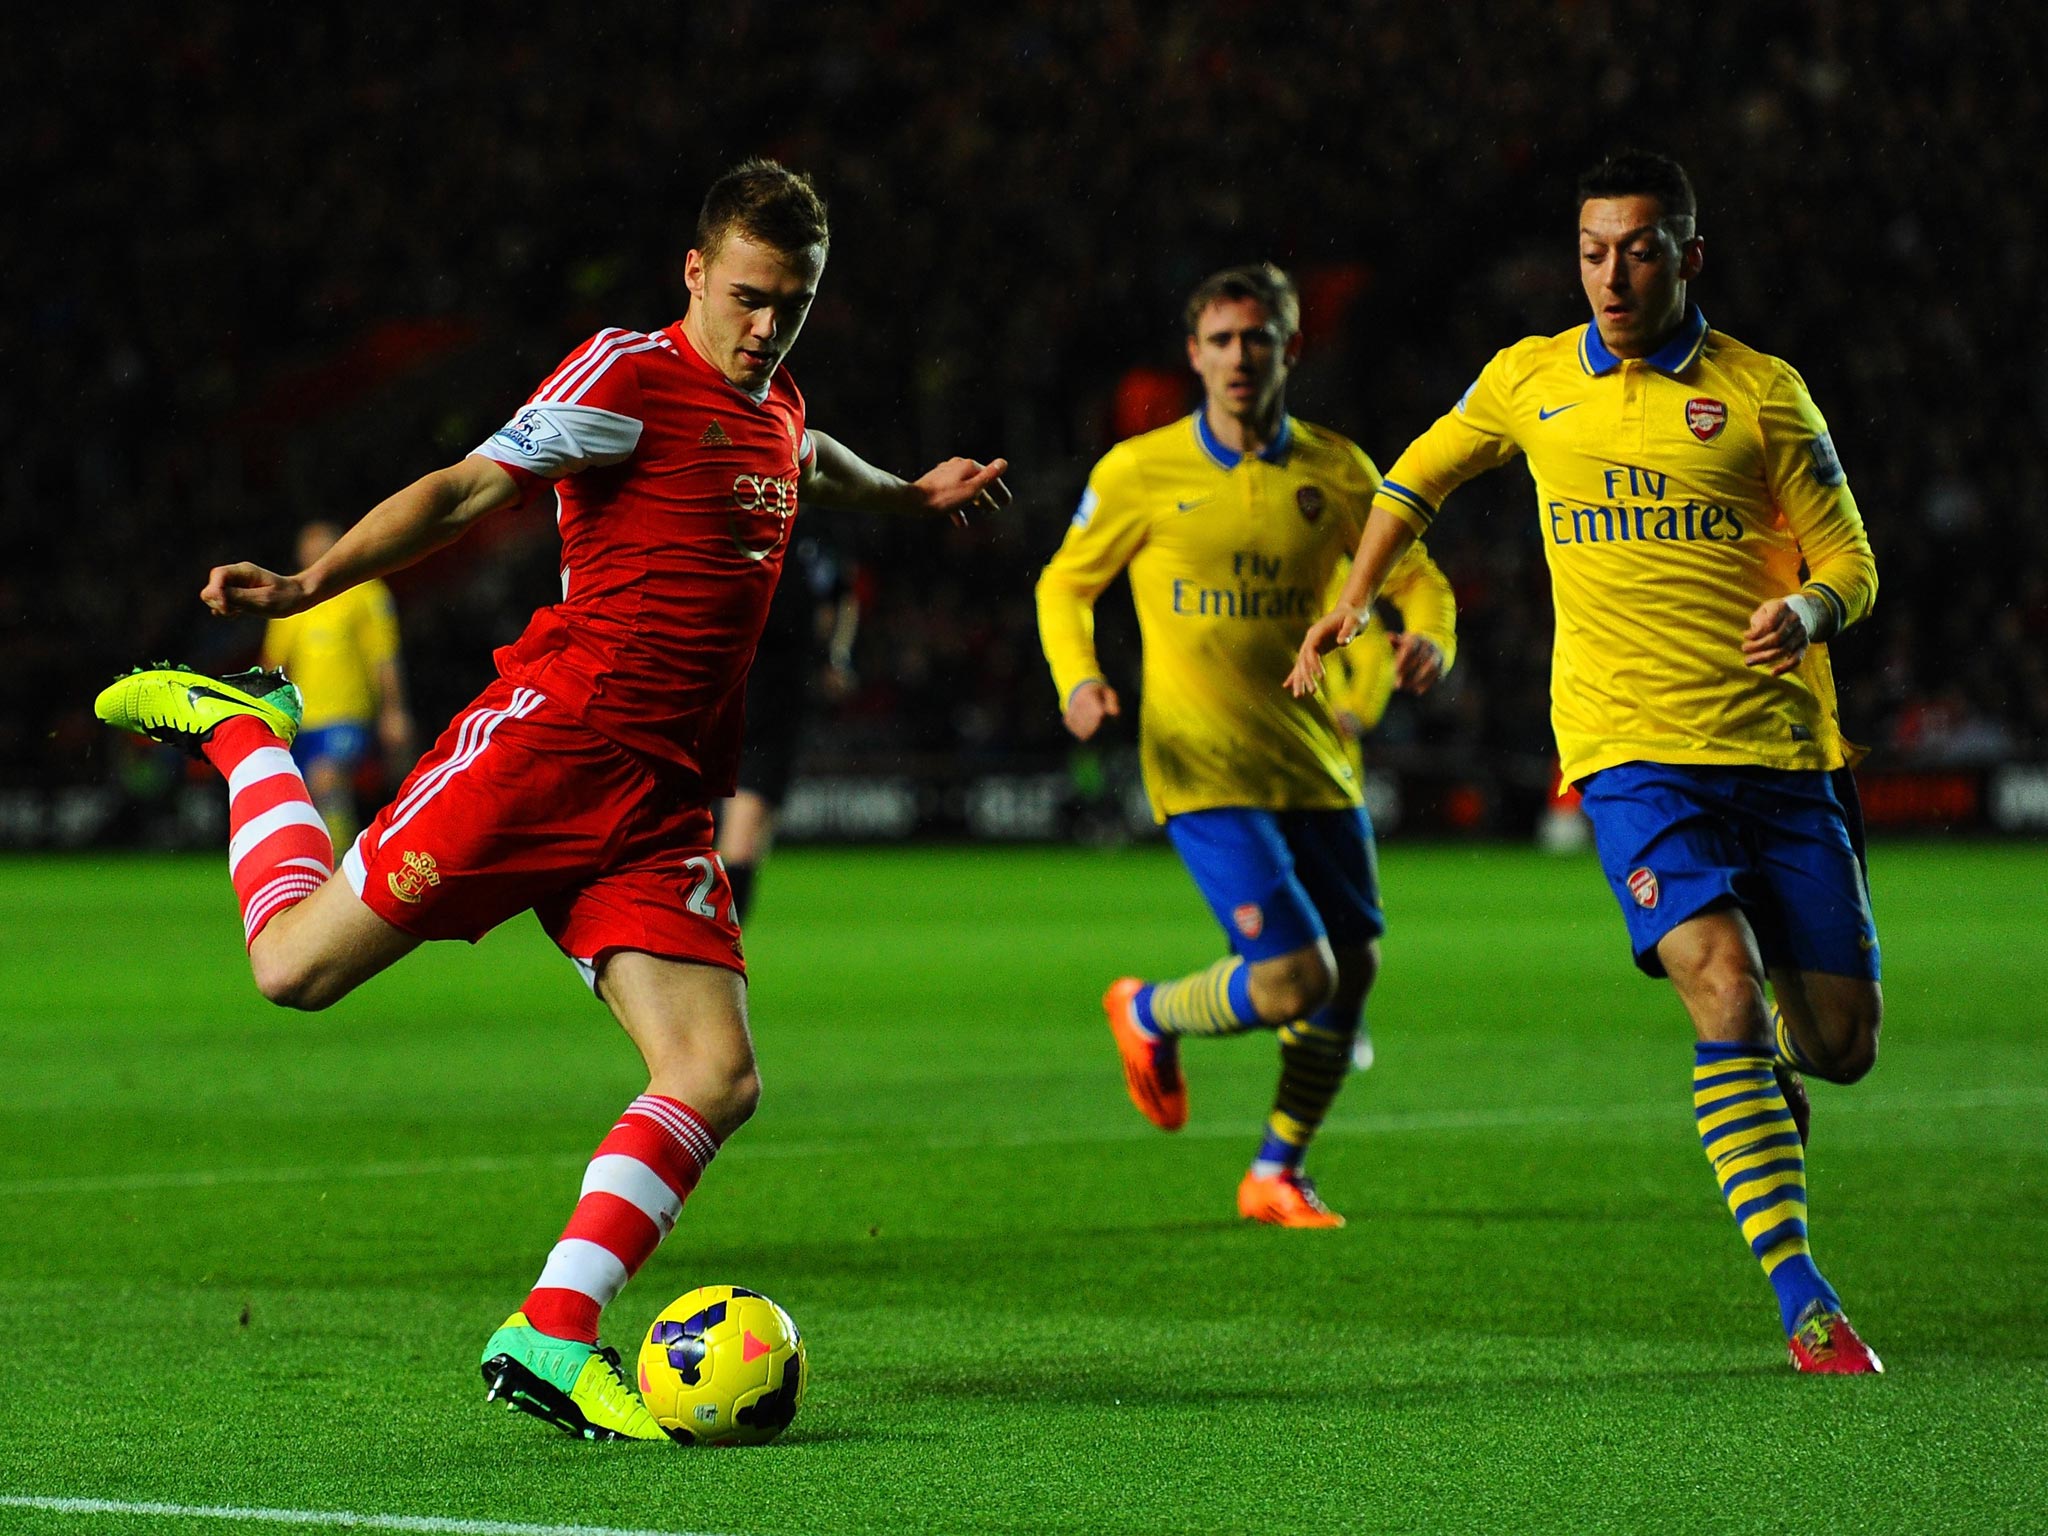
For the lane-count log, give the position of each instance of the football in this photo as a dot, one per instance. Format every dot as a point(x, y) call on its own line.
point(723, 1366)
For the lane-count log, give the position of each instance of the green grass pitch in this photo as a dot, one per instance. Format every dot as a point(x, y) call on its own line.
point(251, 1256)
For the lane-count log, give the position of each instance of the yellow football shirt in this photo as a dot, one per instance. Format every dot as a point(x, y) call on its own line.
point(1230, 559)
point(334, 652)
point(1674, 494)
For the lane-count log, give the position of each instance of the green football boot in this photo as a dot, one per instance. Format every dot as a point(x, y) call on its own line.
point(576, 1387)
point(170, 704)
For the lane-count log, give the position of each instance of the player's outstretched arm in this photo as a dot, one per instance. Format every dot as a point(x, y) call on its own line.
point(431, 512)
point(839, 477)
point(1384, 541)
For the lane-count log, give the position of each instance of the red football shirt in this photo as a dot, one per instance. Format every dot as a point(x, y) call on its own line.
point(675, 492)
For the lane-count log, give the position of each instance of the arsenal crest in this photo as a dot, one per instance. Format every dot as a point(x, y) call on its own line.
point(1642, 884)
point(1310, 499)
point(1706, 417)
point(1251, 922)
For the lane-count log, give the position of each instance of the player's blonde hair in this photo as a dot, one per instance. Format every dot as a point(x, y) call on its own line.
point(766, 201)
point(1261, 281)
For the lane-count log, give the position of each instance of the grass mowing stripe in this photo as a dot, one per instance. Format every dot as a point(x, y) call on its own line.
point(346, 1519)
point(1530, 1117)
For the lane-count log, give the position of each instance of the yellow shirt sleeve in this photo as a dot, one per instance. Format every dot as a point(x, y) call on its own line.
point(1422, 594)
point(1473, 436)
point(1807, 484)
point(1108, 528)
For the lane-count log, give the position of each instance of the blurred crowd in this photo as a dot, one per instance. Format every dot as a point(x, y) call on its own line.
point(271, 264)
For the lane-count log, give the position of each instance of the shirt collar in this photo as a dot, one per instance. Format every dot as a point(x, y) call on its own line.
point(1674, 357)
point(682, 338)
point(1229, 458)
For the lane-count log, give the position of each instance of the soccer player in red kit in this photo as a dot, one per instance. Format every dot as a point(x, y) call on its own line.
point(580, 783)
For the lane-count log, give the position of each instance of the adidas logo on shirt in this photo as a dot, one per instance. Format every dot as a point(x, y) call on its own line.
point(714, 436)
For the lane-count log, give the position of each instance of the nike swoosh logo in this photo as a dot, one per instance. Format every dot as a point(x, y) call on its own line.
point(1543, 415)
point(1189, 506)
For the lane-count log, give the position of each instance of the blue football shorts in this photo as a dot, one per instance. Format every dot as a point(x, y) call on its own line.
point(1279, 880)
point(1784, 846)
point(347, 744)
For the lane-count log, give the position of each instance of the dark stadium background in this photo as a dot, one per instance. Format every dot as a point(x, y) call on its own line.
point(263, 265)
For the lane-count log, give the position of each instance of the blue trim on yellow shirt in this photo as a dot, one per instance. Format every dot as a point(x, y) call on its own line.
point(1408, 498)
point(1229, 458)
point(1673, 358)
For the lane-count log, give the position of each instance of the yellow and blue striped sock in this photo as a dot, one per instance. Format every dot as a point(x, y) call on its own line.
point(1315, 1057)
point(1217, 1001)
point(1788, 1048)
point(1754, 1149)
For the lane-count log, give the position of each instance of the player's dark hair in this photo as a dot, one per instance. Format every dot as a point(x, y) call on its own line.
point(1640, 173)
point(1261, 281)
point(766, 202)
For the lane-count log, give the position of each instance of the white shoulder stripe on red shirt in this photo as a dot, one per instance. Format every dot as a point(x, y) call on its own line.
point(601, 366)
point(561, 378)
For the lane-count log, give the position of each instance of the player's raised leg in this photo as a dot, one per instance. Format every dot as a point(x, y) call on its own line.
point(1281, 967)
point(689, 1022)
point(1747, 1130)
point(1148, 1019)
point(310, 939)
point(1826, 1025)
point(1824, 960)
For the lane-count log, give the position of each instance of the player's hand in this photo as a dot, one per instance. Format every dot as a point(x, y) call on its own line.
point(1418, 663)
point(960, 485)
point(243, 588)
point(1091, 704)
point(1340, 626)
point(1777, 636)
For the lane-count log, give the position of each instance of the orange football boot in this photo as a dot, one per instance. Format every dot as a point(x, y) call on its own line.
point(1824, 1344)
point(1286, 1199)
point(1151, 1062)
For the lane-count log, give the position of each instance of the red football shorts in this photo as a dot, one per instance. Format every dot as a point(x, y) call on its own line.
point(521, 805)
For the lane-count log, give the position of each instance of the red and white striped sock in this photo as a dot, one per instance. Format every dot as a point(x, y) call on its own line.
point(632, 1193)
point(278, 849)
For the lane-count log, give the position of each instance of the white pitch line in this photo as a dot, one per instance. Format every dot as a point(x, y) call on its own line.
point(1397, 1123)
point(343, 1519)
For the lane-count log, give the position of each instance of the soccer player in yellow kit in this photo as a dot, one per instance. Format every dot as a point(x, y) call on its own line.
point(1703, 545)
point(343, 655)
point(1232, 523)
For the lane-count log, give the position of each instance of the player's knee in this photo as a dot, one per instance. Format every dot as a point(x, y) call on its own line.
point(746, 1098)
point(291, 982)
point(1853, 1050)
point(1295, 987)
point(1728, 991)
